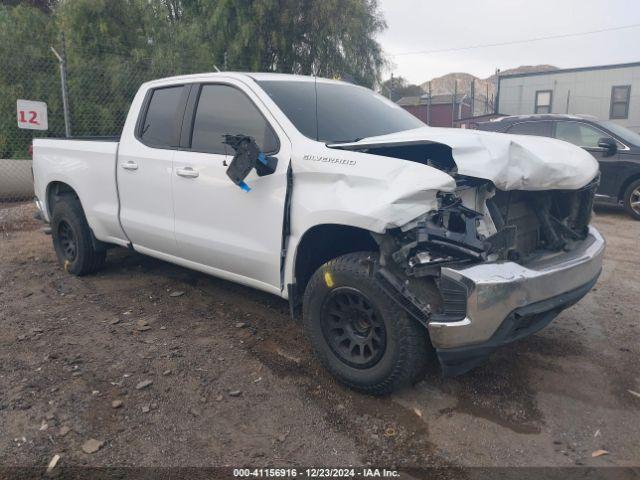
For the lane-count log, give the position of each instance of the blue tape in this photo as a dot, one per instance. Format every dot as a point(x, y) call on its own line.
point(262, 158)
point(245, 187)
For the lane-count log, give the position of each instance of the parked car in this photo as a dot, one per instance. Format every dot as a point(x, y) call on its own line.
point(616, 148)
point(391, 235)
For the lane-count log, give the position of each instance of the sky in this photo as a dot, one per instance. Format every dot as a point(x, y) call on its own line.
point(415, 25)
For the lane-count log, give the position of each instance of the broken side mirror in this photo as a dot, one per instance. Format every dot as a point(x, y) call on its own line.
point(247, 157)
point(609, 145)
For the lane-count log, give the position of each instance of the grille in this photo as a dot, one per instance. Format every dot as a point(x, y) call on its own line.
point(517, 210)
point(548, 220)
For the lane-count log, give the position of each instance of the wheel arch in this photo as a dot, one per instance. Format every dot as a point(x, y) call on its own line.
point(55, 189)
point(323, 242)
point(628, 181)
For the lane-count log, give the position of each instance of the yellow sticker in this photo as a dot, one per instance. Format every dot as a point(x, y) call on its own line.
point(66, 266)
point(328, 279)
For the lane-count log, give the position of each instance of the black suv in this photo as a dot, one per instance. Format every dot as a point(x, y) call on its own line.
point(616, 148)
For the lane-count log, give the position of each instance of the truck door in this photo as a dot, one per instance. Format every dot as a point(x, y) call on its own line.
point(144, 171)
point(231, 232)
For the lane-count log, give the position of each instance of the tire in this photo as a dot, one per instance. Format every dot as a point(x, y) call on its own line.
point(632, 199)
point(359, 334)
point(72, 238)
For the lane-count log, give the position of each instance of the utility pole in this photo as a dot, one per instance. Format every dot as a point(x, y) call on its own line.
point(473, 97)
point(461, 104)
point(453, 101)
point(62, 60)
point(486, 99)
point(391, 87)
point(497, 101)
point(429, 105)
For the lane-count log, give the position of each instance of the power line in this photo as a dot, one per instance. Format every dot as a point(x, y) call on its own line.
point(515, 42)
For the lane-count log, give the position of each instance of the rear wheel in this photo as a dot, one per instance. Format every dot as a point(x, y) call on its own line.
point(72, 238)
point(632, 199)
point(359, 334)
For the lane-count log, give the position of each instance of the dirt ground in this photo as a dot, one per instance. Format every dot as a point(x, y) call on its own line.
point(234, 381)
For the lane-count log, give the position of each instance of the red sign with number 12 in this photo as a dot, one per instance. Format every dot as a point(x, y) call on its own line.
point(32, 115)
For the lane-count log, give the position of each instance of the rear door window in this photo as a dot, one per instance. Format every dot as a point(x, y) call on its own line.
point(225, 110)
point(541, 128)
point(161, 125)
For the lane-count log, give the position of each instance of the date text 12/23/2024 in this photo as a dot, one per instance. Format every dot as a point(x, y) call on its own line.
point(315, 473)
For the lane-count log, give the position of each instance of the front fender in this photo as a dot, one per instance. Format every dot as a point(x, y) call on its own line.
point(356, 189)
point(362, 190)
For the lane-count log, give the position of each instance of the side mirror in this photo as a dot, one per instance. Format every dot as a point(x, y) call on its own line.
point(247, 157)
point(609, 144)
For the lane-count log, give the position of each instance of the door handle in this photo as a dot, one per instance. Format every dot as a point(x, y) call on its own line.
point(130, 165)
point(187, 172)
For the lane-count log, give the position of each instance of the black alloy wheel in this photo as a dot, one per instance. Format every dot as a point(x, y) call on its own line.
point(73, 241)
point(353, 328)
point(68, 242)
point(359, 333)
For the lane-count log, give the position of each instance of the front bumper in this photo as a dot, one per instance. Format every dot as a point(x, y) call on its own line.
point(491, 304)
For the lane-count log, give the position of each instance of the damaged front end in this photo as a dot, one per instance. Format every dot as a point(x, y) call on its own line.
point(504, 252)
point(479, 225)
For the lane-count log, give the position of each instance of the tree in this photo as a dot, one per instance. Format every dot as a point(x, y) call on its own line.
point(329, 38)
point(45, 6)
point(112, 46)
point(29, 71)
point(397, 87)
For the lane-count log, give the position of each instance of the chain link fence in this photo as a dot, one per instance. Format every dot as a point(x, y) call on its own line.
point(98, 90)
point(99, 93)
point(36, 79)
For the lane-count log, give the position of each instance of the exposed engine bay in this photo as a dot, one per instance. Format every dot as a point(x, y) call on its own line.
point(481, 223)
point(478, 223)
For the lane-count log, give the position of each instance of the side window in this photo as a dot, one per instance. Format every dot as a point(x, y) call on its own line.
point(620, 101)
point(543, 101)
point(579, 134)
point(160, 127)
point(542, 129)
point(223, 109)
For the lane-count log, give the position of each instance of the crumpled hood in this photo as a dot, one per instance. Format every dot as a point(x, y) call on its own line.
point(511, 162)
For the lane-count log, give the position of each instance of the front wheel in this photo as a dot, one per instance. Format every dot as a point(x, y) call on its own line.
point(359, 334)
point(632, 199)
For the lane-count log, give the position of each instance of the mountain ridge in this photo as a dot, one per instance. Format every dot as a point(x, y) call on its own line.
point(446, 84)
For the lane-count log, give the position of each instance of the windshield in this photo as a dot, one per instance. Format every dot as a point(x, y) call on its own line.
point(344, 113)
point(622, 132)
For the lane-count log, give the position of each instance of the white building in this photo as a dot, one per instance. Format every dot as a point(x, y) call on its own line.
point(607, 92)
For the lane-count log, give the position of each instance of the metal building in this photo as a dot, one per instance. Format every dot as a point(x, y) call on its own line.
point(607, 92)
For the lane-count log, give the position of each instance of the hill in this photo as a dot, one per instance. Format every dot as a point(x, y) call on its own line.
point(446, 84)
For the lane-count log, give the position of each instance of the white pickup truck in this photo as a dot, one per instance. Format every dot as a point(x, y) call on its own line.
point(397, 239)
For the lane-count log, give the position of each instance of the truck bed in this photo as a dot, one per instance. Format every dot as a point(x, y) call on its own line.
point(88, 167)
